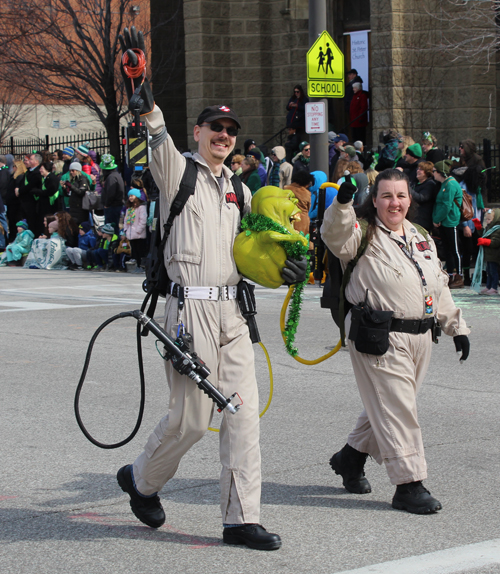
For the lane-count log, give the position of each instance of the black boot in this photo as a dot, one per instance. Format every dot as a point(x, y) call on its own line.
point(148, 509)
point(252, 535)
point(350, 463)
point(415, 498)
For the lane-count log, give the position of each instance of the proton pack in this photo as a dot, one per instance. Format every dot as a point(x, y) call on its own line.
point(156, 283)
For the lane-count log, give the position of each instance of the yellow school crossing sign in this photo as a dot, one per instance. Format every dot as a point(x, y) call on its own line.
point(325, 69)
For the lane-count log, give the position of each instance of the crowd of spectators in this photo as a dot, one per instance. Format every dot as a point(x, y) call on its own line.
point(77, 206)
point(71, 209)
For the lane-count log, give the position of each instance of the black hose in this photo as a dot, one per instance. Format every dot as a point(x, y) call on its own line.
point(84, 373)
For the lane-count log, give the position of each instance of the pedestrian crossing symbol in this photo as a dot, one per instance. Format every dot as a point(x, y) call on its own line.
point(325, 69)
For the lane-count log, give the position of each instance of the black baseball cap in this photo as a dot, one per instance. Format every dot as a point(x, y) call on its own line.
point(216, 113)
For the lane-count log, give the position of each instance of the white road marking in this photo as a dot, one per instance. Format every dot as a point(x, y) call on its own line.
point(37, 306)
point(450, 561)
point(97, 300)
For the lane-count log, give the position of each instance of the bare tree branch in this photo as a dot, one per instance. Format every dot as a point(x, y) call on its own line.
point(14, 112)
point(67, 52)
point(470, 30)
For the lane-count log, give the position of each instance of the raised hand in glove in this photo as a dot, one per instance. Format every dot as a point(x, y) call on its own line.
point(346, 192)
point(484, 241)
point(294, 271)
point(462, 345)
point(477, 224)
point(138, 89)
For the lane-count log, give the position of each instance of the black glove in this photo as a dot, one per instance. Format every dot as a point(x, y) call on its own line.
point(346, 192)
point(462, 345)
point(144, 99)
point(294, 271)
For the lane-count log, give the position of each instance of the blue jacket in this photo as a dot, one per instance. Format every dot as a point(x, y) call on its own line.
point(87, 241)
point(319, 179)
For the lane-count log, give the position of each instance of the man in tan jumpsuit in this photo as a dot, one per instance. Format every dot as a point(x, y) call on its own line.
point(199, 254)
point(389, 280)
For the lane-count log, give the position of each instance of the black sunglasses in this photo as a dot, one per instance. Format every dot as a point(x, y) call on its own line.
point(217, 127)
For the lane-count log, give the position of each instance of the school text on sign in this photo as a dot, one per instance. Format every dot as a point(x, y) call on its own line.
point(325, 69)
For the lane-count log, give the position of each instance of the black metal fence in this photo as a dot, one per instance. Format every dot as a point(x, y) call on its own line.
point(97, 141)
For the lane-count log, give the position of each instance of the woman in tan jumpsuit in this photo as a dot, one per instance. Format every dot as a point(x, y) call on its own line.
point(399, 272)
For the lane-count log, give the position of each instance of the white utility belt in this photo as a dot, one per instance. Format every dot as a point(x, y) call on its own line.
point(222, 293)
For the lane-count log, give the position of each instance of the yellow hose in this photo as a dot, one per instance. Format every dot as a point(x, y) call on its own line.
point(299, 359)
point(271, 386)
point(282, 327)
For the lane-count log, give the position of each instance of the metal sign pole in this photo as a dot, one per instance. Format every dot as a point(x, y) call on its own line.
point(319, 142)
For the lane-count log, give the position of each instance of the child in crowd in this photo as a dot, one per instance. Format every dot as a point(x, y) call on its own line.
point(48, 252)
point(489, 252)
point(122, 254)
point(91, 250)
point(135, 226)
point(21, 246)
point(86, 241)
point(99, 256)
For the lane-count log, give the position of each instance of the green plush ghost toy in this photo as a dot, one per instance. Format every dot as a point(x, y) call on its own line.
point(258, 250)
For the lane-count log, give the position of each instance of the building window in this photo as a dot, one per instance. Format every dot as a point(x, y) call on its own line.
point(55, 124)
point(72, 123)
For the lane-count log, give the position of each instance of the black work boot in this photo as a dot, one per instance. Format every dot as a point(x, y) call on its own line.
point(415, 498)
point(252, 535)
point(350, 463)
point(147, 509)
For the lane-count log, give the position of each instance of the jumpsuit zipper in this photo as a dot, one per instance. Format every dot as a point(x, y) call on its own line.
point(386, 263)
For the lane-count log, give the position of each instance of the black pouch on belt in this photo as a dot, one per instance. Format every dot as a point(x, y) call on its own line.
point(248, 308)
point(370, 329)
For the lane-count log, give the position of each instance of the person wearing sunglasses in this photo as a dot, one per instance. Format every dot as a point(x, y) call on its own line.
point(302, 159)
point(236, 163)
point(201, 267)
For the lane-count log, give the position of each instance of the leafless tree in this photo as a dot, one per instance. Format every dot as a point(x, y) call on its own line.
point(67, 52)
point(14, 112)
point(471, 30)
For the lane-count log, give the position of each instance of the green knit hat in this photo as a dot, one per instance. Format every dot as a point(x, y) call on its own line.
point(414, 150)
point(443, 167)
point(22, 224)
point(303, 145)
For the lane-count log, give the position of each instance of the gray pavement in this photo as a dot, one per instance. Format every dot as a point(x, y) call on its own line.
point(61, 509)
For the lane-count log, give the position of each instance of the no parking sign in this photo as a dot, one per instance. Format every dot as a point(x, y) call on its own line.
point(315, 118)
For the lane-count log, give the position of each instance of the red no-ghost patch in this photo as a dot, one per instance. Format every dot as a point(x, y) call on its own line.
point(423, 246)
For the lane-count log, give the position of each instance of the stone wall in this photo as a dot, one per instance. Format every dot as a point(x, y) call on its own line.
point(246, 55)
point(416, 85)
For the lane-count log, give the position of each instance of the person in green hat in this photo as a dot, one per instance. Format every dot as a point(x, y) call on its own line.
point(21, 246)
point(113, 192)
point(446, 217)
point(413, 157)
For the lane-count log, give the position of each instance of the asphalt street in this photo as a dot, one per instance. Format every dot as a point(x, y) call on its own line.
point(61, 509)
